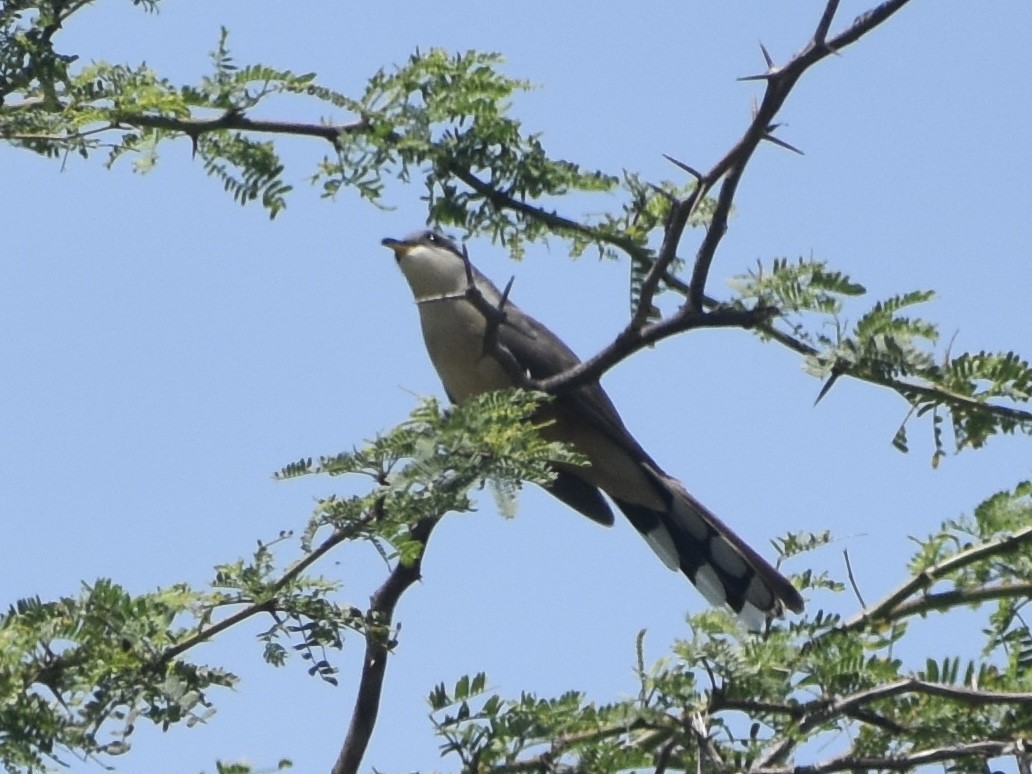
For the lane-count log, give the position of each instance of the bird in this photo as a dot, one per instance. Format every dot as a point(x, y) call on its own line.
point(472, 356)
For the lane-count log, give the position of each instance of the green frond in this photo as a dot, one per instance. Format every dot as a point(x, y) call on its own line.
point(249, 170)
point(803, 286)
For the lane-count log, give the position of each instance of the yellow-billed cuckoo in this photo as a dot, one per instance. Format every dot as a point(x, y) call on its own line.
point(682, 531)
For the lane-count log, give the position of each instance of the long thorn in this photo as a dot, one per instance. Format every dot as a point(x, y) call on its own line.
point(680, 164)
point(771, 138)
point(766, 57)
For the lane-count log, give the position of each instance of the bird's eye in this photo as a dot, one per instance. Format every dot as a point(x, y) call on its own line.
point(432, 238)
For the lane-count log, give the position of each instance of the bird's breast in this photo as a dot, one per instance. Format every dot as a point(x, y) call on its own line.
point(454, 334)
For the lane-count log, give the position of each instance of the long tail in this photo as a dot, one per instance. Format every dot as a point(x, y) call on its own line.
point(687, 536)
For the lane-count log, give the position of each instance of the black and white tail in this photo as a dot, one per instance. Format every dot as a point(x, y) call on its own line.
point(688, 537)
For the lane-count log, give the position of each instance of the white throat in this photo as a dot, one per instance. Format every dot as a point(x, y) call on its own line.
point(433, 273)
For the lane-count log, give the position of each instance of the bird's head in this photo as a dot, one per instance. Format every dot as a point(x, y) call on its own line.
point(431, 262)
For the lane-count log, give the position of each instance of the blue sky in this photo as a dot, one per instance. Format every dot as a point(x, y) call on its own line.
point(166, 350)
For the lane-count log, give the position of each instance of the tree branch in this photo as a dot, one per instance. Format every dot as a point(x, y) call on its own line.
point(901, 386)
point(553, 220)
point(269, 605)
point(929, 603)
point(904, 762)
point(892, 606)
point(232, 119)
point(630, 340)
point(780, 82)
point(729, 168)
point(818, 712)
point(847, 705)
point(379, 618)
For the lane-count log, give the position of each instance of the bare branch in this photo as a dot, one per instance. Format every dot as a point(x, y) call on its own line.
point(944, 600)
point(779, 84)
point(821, 34)
point(960, 694)
point(631, 340)
point(379, 618)
point(729, 169)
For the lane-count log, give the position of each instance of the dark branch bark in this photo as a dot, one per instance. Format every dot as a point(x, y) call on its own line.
point(780, 82)
point(236, 120)
point(553, 220)
point(729, 168)
point(380, 617)
point(631, 340)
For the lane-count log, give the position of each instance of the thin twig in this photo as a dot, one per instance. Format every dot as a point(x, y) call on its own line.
point(232, 119)
point(553, 220)
point(962, 695)
point(852, 580)
point(631, 340)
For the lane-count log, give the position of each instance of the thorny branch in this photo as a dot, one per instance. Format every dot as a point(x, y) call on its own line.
point(729, 169)
point(779, 83)
point(698, 311)
point(906, 389)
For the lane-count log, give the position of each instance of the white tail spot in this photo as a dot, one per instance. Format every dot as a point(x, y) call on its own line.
point(661, 542)
point(707, 582)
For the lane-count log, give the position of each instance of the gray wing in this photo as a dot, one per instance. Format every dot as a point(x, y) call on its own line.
point(542, 354)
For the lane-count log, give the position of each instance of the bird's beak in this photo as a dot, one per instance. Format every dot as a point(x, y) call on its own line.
point(399, 246)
